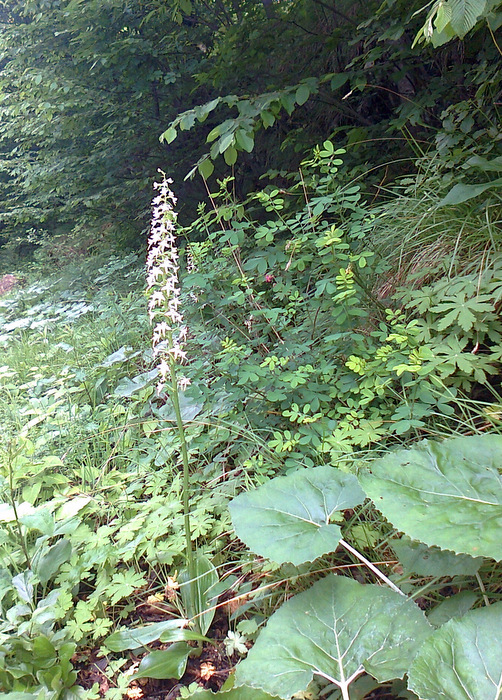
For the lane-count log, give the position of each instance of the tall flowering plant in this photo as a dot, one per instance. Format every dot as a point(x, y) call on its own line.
point(169, 333)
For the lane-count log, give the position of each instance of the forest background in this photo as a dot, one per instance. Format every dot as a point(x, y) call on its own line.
point(336, 168)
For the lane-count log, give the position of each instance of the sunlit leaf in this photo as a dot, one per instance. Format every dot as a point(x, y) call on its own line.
point(447, 494)
point(336, 630)
point(288, 519)
point(462, 659)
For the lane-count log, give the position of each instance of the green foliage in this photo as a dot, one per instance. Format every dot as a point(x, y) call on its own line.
point(282, 289)
point(460, 658)
point(339, 628)
point(455, 18)
point(447, 494)
point(269, 518)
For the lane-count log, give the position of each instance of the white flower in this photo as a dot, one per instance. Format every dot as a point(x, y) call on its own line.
point(162, 282)
point(235, 642)
point(183, 383)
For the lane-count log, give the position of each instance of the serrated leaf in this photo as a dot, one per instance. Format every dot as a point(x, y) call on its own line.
point(465, 14)
point(462, 659)
point(136, 637)
point(337, 629)
point(288, 518)
point(447, 494)
point(166, 663)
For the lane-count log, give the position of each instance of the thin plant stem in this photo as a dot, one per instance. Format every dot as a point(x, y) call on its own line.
point(22, 539)
point(482, 589)
point(372, 567)
point(186, 478)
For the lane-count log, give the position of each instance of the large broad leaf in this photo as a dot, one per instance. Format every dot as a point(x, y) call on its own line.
point(418, 558)
point(447, 494)
point(136, 637)
point(288, 518)
point(165, 663)
point(337, 629)
point(462, 660)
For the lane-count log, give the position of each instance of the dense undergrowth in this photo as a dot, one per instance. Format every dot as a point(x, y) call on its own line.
point(323, 331)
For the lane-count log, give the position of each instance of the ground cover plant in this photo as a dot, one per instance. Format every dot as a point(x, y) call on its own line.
point(300, 384)
point(266, 463)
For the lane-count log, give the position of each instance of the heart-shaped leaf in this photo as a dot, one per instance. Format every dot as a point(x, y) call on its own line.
point(447, 494)
point(288, 518)
point(462, 659)
point(165, 663)
point(337, 629)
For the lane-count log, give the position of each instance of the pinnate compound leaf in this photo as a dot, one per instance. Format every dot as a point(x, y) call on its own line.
point(446, 494)
point(287, 519)
point(337, 629)
point(165, 663)
point(135, 637)
point(462, 659)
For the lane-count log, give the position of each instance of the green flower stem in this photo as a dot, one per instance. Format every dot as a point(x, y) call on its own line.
point(186, 477)
point(22, 538)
